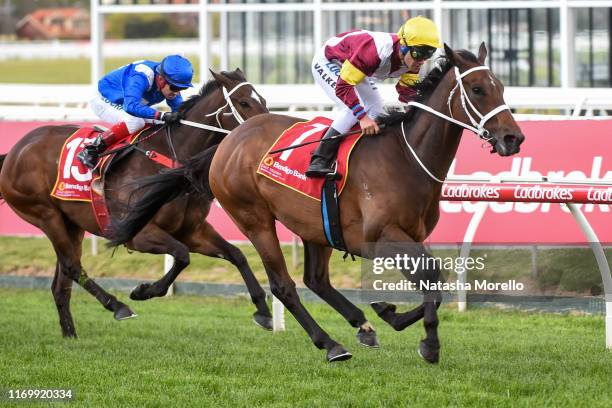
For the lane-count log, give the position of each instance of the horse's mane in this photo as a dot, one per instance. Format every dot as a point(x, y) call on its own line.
point(208, 87)
point(425, 88)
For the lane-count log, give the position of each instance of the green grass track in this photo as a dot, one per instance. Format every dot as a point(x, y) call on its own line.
point(205, 352)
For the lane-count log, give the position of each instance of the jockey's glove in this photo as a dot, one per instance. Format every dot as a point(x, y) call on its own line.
point(171, 117)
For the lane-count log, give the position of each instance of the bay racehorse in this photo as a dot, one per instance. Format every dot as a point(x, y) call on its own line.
point(29, 170)
point(390, 200)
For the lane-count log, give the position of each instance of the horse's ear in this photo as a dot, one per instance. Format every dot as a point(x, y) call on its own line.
point(240, 73)
point(450, 54)
point(482, 53)
point(217, 76)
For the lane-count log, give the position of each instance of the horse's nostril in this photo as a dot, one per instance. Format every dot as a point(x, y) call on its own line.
point(510, 139)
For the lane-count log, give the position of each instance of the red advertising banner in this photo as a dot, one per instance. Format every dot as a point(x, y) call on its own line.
point(555, 149)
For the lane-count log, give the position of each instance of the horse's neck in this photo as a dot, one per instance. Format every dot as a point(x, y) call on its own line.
point(434, 139)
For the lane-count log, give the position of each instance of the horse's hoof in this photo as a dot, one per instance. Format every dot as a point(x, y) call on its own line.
point(338, 353)
point(124, 312)
point(263, 321)
point(429, 353)
point(141, 292)
point(368, 338)
point(383, 307)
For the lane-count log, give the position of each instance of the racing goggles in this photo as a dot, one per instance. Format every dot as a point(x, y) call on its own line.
point(175, 88)
point(421, 52)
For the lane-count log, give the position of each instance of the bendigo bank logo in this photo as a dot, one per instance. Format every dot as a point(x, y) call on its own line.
point(268, 161)
point(61, 186)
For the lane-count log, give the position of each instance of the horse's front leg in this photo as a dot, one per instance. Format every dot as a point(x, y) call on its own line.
point(393, 241)
point(316, 278)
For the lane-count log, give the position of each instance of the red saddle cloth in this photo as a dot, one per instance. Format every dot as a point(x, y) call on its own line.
point(74, 180)
point(73, 177)
point(288, 168)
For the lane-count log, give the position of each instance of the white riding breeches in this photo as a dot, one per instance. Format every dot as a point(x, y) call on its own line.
point(112, 113)
point(325, 73)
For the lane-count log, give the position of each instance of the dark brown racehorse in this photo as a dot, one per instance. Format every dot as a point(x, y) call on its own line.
point(29, 170)
point(389, 200)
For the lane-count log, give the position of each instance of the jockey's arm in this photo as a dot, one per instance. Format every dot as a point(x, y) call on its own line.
point(345, 91)
point(345, 88)
point(406, 87)
point(134, 88)
point(363, 62)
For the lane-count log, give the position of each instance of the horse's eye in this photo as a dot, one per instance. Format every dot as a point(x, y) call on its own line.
point(244, 104)
point(477, 90)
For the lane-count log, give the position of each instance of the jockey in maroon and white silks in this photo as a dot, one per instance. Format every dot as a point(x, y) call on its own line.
point(354, 56)
point(347, 66)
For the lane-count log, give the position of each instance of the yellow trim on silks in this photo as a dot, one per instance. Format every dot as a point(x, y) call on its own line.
point(351, 74)
point(409, 80)
point(419, 30)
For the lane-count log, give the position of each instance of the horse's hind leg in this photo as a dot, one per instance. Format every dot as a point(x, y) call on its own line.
point(62, 289)
point(206, 241)
point(67, 242)
point(316, 277)
point(153, 240)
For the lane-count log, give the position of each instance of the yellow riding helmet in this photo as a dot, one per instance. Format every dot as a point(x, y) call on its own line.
point(419, 31)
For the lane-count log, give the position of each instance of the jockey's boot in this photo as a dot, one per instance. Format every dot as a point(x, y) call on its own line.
point(91, 152)
point(322, 161)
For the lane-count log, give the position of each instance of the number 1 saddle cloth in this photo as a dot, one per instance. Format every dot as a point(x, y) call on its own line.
point(288, 167)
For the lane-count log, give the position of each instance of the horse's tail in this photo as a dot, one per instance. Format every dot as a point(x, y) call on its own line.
point(2, 157)
point(161, 189)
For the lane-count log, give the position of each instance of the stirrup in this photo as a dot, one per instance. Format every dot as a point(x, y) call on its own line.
point(317, 173)
point(87, 160)
point(334, 175)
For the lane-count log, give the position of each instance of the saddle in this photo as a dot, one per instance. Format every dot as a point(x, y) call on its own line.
point(75, 182)
point(288, 168)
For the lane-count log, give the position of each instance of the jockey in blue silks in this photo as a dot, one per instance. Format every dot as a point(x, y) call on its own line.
point(126, 94)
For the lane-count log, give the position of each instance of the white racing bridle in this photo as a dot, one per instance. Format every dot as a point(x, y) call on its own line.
point(476, 127)
point(228, 102)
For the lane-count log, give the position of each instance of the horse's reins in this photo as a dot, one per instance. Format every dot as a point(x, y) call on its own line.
point(220, 129)
point(477, 127)
point(335, 137)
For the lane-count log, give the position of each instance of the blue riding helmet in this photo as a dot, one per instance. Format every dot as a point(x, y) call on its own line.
point(176, 70)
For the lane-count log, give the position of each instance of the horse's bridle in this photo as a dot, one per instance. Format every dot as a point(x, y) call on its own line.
point(476, 127)
point(228, 102)
point(220, 129)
